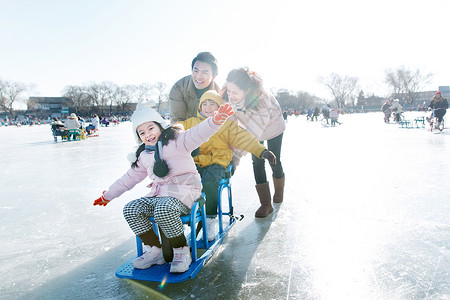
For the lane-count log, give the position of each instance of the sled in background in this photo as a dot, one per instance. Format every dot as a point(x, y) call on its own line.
point(72, 134)
point(201, 249)
point(67, 135)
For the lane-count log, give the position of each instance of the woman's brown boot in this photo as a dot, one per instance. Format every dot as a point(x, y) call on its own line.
point(278, 183)
point(266, 201)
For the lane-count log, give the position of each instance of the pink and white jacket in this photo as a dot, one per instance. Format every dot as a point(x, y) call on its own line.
point(265, 122)
point(183, 181)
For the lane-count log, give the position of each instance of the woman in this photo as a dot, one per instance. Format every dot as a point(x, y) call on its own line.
point(260, 114)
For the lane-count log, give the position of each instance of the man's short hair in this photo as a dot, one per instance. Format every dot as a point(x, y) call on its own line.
point(208, 58)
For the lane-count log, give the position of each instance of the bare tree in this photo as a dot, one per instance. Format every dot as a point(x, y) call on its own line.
point(78, 95)
point(144, 92)
point(161, 93)
point(306, 100)
point(406, 84)
point(101, 94)
point(295, 100)
point(10, 92)
point(342, 88)
point(97, 96)
point(125, 94)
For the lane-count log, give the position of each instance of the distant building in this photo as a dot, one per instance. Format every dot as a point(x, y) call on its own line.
point(50, 106)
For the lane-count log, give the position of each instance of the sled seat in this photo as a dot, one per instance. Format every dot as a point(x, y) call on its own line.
point(406, 124)
point(75, 133)
point(421, 121)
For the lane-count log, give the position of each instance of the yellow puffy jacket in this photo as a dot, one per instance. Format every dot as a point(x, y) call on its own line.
point(218, 149)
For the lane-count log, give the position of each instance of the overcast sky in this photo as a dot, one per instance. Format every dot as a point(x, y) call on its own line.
point(55, 43)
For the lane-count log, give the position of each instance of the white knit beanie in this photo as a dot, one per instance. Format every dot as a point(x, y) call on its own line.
point(144, 113)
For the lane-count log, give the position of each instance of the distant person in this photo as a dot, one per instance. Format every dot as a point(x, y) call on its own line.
point(72, 122)
point(309, 114)
point(316, 113)
point(326, 112)
point(164, 156)
point(105, 122)
point(82, 126)
point(440, 105)
point(386, 109)
point(58, 129)
point(57, 123)
point(215, 155)
point(186, 92)
point(334, 117)
point(259, 113)
point(396, 109)
point(95, 123)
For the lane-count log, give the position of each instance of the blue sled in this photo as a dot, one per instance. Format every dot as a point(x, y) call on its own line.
point(198, 244)
point(160, 273)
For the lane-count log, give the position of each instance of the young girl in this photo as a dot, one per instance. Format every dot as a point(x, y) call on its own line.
point(259, 113)
point(164, 155)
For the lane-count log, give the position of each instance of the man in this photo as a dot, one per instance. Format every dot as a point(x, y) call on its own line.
point(185, 94)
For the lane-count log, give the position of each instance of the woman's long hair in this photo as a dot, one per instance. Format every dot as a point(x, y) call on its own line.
point(166, 135)
point(249, 81)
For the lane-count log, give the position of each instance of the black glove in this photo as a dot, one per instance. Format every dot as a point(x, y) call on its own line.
point(266, 154)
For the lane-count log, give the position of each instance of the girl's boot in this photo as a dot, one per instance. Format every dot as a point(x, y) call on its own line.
point(181, 260)
point(278, 183)
point(153, 256)
point(264, 198)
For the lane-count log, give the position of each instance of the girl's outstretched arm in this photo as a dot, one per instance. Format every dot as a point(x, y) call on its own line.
point(199, 134)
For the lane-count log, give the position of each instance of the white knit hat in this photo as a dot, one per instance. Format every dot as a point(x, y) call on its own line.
point(144, 113)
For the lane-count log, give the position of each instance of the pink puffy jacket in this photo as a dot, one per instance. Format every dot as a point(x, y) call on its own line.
point(183, 181)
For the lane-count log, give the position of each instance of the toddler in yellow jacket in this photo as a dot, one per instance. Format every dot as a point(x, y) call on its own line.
point(215, 155)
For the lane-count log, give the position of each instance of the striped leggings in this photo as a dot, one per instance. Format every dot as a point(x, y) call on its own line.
point(165, 210)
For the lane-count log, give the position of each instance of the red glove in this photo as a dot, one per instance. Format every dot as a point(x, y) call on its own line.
point(102, 200)
point(224, 112)
point(266, 154)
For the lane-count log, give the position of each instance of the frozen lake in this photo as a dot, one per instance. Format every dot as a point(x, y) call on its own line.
point(366, 216)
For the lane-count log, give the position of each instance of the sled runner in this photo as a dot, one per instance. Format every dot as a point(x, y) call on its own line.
point(202, 250)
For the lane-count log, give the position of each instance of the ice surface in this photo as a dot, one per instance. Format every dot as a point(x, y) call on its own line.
point(365, 216)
